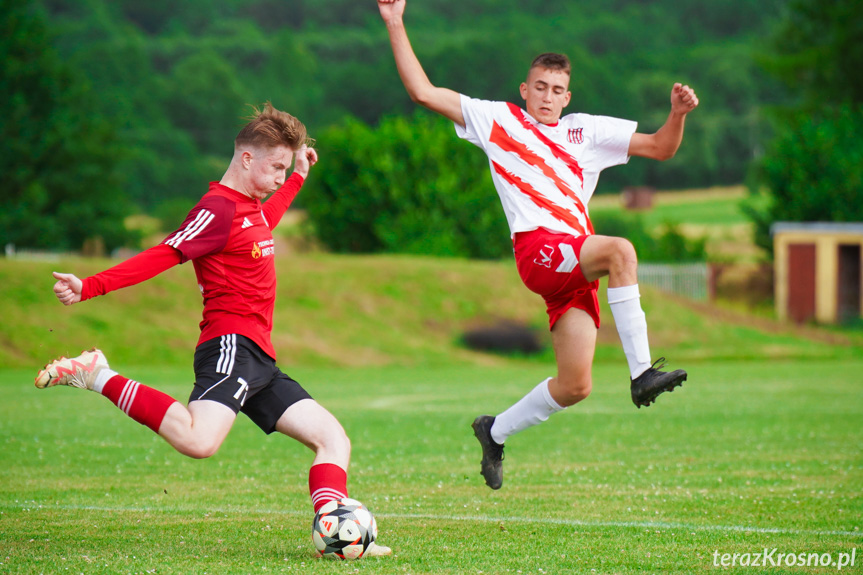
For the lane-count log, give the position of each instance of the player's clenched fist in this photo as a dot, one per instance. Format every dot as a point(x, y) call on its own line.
point(391, 8)
point(683, 99)
point(68, 288)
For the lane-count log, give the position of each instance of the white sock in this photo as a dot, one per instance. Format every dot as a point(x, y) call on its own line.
point(530, 410)
point(102, 378)
point(625, 303)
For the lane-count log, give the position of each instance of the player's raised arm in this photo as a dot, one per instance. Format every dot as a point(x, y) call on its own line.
point(441, 100)
point(304, 159)
point(664, 143)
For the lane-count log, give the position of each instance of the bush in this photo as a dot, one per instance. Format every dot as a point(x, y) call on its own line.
point(408, 186)
point(669, 246)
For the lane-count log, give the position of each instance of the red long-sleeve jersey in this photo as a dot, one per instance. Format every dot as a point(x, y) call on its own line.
point(228, 236)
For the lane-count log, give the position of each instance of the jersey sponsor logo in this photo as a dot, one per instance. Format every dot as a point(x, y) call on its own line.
point(545, 255)
point(247, 223)
point(575, 135)
point(263, 249)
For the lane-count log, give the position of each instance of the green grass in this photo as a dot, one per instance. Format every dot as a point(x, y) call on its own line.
point(761, 448)
point(710, 207)
point(748, 455)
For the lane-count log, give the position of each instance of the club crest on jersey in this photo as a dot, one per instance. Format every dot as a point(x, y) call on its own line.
point(575, 135)
point(262, 249)
point(545, 255)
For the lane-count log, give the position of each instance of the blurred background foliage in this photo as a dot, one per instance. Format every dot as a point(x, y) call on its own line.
point(130, 106)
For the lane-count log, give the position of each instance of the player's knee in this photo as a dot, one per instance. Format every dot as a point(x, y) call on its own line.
point(197, 445)
point(624, 255)
point(342, 442)
point(199, 449)
point(335, 443)
point(574, 390)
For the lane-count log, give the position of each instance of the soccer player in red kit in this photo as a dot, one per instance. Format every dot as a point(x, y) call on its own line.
point(228, 237)
point(545, 168)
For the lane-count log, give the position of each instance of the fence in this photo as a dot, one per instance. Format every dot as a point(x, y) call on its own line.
point(688, 280)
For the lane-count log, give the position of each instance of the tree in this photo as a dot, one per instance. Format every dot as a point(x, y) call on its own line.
point(60, 186)
point(817, 52)
point(813, 171)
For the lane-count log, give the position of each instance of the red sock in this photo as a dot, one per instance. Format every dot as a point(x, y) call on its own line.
point(327, 482)
point(144, 404)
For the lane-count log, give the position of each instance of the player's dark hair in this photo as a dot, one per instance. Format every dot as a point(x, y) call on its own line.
point(270, 128)
point(552, 61)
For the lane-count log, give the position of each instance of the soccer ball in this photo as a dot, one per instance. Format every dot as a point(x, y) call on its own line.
point(343, 529)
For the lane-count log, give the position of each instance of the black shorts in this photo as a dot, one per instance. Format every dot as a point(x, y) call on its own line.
point(232, 370)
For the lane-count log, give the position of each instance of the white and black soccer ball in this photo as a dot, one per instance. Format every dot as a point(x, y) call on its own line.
point(343, 529)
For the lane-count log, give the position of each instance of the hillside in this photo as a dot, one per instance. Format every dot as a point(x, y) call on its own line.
point(362, 311)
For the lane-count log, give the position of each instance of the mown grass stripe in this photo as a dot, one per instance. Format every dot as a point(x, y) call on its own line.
point(429, 516)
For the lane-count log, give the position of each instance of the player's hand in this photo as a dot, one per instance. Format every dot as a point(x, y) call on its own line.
point(68, 288)
point(683, 99)
point(391, 9)
point(305, 158)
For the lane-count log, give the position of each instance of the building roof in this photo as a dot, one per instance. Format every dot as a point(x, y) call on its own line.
point(818, 227)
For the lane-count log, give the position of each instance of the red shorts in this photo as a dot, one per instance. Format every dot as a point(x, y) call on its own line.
point(548, 265)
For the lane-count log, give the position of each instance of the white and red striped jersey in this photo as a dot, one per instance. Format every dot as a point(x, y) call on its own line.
point(545, 174)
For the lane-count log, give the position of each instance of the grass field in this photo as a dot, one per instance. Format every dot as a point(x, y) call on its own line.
point(748, 455)
point(762, 448)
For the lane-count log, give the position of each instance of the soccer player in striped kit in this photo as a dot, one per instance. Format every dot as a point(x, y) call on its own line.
point(228, 237)
point(545, 168)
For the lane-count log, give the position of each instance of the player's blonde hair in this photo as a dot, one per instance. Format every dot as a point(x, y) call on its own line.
point(552, 61)
point(270, 128)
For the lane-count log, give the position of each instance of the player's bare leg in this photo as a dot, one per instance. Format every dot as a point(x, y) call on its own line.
point(199, 430)
point(574, 340)
point(311, 424)
point(615, 257)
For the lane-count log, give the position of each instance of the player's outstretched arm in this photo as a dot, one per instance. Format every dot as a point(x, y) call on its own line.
point(441, 100)
point(68, 288)
point(664, 143)
point(147, 264)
